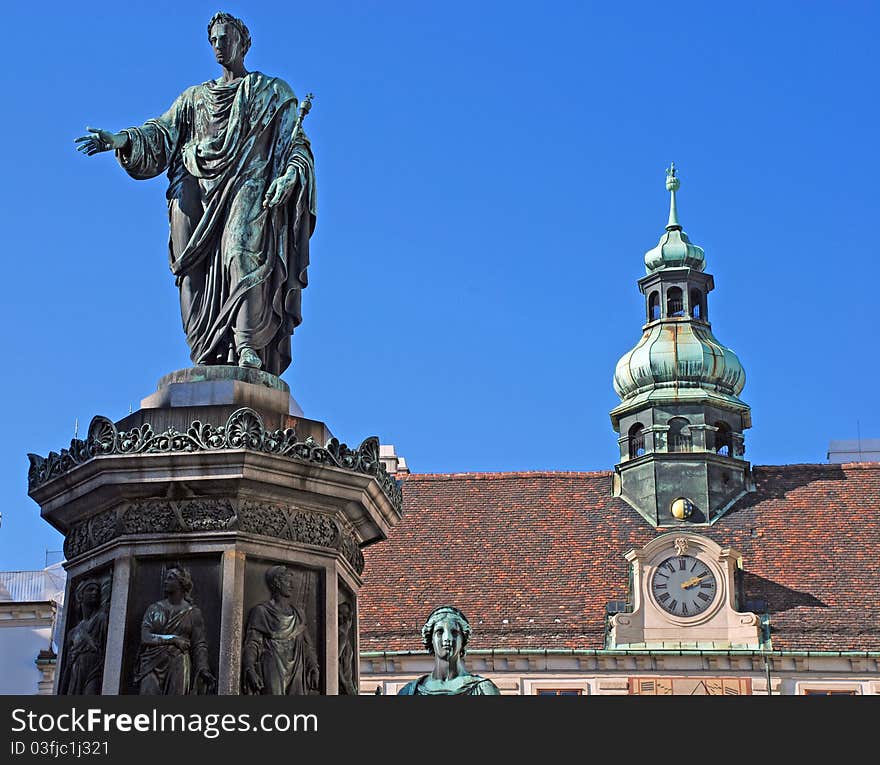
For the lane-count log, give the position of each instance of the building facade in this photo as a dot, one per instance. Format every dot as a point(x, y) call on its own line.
point(684, 570)
point(30, 603)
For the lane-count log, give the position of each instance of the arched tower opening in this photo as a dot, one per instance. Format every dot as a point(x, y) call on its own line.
point(636, 440)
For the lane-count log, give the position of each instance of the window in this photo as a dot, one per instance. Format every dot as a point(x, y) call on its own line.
point(636, 440)
point(679, 435)
point(829, 692)
point(674, 302)
point(555, 686)
point(696, 304)
point(723, 439)
point(654, 306)
point(558, 692)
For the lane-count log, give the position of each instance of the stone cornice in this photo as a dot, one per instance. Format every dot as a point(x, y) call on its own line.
point(631, 661)
point(243, 430)
point(604, 652)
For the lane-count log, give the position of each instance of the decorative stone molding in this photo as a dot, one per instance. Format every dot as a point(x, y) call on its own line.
point(716, 625)
point(28, 614)
point(610, 672)
point(243, 430)
point(165, 516)
point(46, 664)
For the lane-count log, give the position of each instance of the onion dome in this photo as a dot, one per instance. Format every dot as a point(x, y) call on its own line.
point(678, 351)
point(674, 250)
point(679, 354)
point(680, 419)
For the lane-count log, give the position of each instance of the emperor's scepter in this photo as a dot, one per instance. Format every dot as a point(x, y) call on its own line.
point(304, 108)
point(277, 192)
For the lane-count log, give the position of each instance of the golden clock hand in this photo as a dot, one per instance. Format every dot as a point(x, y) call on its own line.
point(692, 582)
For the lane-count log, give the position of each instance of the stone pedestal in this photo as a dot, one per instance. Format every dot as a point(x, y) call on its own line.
point(219, 473)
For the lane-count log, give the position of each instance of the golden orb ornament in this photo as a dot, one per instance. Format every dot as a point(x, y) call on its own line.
point(682, 508)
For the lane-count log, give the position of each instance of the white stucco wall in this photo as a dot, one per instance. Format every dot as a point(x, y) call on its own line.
point(19, 646)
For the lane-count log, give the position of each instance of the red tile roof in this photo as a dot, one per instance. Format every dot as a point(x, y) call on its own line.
point(532, 558)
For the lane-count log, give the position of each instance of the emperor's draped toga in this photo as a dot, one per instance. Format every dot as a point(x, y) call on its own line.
point(240, 267)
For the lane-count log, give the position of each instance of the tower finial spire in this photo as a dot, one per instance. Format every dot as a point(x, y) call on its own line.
point(672, 185)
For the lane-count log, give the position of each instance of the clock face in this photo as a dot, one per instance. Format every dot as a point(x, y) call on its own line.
point(683, 585)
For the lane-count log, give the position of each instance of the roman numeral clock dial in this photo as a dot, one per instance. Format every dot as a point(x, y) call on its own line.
point(683, 585)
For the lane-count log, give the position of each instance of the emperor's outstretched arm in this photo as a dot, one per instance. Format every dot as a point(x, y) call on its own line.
point(152, 147)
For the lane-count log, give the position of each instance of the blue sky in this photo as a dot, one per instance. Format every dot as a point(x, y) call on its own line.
point(490, 175)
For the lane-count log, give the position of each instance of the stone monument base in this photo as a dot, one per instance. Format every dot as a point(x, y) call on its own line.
point(223, 386)
point(218, 474)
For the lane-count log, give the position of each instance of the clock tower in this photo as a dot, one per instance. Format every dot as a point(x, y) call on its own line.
point(680, 419)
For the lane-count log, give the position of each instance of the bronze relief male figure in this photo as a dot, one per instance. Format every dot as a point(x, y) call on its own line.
point(279, 657)
point(241, 204)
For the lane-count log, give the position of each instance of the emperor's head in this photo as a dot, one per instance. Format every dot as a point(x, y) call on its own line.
point(230, 39)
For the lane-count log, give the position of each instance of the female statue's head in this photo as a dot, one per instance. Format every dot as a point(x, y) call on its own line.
point(446, 632)
point(88, 595)
point(178, 577)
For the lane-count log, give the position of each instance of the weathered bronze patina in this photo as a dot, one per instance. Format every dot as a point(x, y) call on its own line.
point(446, 634)
point(279, 658)
point(173, 658)
point(347, 656)
point(251, 515)
point(85, 642)
point(241, 204)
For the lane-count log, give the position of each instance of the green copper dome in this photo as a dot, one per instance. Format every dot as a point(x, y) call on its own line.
point(680, 421)
point(676, 354)
point(678, 350)
point(674, 249)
